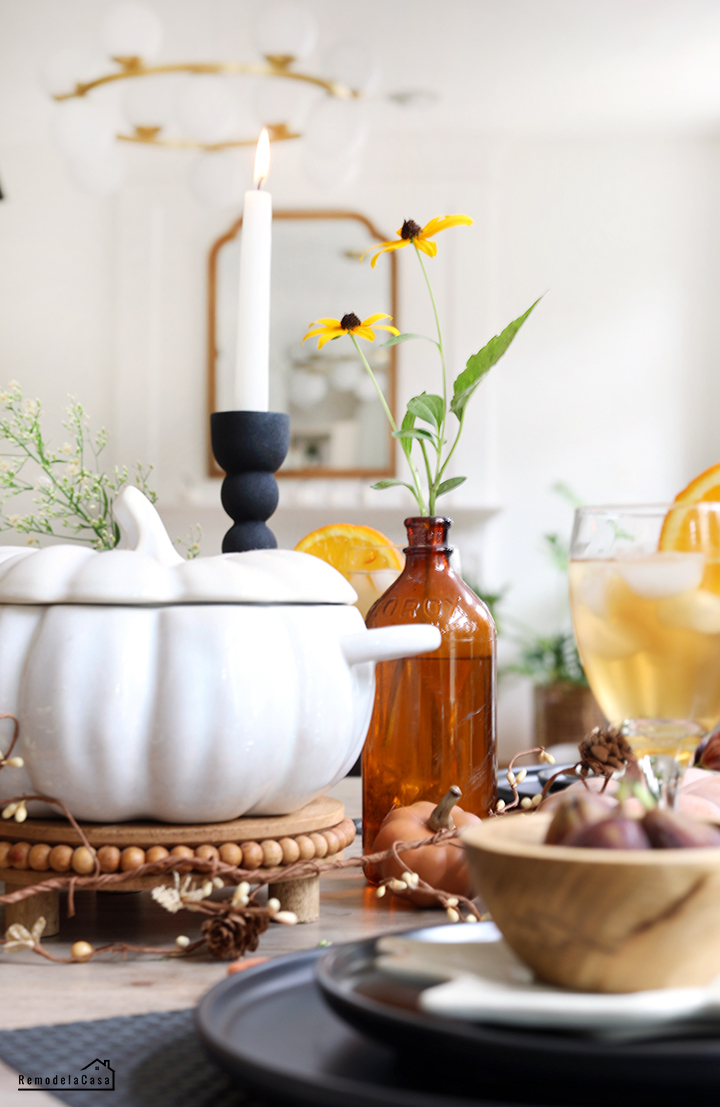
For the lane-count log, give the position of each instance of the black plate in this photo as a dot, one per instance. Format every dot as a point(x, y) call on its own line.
point(547, 1067)
point(534, 782)
point(544, 774)
point(271, 1027)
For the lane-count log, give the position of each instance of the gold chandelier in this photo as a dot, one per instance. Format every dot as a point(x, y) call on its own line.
point(209, 109)
point(274, 65)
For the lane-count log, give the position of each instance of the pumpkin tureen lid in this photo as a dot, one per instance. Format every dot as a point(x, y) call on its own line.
point(146, 569)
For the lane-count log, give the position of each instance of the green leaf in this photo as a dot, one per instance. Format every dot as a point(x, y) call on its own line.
point(396, 338)
point(479, 364)
point(448, 485)
point(568, 494)
point(429, 408)
point(407, 424)
point(559, 551)
point(391, 484)
point(416, 432)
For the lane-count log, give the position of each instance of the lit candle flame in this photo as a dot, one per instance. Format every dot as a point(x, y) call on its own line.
point(262, 159)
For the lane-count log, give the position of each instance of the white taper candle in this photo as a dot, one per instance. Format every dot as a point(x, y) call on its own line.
point(252, 377)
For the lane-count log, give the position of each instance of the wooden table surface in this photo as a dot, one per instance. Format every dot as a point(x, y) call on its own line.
point(37, 992)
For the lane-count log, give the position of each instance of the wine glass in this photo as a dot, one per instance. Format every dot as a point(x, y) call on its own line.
point(645, 596)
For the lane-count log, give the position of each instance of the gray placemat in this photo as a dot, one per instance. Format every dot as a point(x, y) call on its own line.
point(155, 1060)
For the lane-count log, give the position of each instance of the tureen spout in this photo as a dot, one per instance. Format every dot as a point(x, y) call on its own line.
point(389, 643)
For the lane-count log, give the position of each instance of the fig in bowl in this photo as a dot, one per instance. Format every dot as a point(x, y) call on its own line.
point(601, 919)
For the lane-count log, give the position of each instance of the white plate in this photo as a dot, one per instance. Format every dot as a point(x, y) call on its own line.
point(486, 982)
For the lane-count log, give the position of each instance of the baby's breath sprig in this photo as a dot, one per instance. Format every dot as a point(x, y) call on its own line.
point(191, 543)
point(70, 491)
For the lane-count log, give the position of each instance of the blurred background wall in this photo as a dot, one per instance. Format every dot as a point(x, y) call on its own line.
point(581, 135)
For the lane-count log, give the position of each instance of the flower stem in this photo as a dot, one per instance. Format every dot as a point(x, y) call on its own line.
point(452, 449)
point(433, 485)
point(373, 378)
point(415, 477)
point(427, 465)
point(437, 321)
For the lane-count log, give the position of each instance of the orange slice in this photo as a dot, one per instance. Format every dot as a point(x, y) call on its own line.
point(687, 530)
point(351, 549)
point(703, 489)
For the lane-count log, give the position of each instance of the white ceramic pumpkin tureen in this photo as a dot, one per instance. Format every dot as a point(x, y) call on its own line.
point(147, 686)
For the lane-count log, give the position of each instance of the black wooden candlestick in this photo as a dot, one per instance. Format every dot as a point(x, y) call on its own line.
point(250, 446)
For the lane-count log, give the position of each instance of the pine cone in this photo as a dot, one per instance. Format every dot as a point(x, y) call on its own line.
point(230, 936)
point(604, 751)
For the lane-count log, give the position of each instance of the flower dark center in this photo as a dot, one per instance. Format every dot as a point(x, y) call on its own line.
point(410, 229)
point(349, 321)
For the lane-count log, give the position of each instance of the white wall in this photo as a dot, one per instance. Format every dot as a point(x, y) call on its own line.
point(611, 386)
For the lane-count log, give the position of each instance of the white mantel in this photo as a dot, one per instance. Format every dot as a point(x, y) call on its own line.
point(306, 505)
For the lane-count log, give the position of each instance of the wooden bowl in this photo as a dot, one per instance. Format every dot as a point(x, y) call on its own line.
point(599, 920)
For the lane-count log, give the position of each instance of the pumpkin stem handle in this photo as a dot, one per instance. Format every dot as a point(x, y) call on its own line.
point(441, 819)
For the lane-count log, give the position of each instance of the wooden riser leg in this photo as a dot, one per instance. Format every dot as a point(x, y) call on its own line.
point(28, 911)
point(301, 896)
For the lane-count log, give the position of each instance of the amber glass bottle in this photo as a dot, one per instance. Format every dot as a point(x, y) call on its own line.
point(433, 723)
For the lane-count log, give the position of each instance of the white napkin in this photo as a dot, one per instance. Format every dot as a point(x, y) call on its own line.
point(484, 981)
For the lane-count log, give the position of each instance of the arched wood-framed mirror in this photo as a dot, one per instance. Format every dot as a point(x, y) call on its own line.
point(337, 425)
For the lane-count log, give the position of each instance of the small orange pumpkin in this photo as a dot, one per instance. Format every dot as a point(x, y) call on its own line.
point(442, 866)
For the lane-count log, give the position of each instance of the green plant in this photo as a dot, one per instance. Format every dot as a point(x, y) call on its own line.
point(549, 660)
point(553, 658)
point(71, 493)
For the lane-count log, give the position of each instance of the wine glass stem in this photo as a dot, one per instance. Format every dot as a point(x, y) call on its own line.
point(663, 774)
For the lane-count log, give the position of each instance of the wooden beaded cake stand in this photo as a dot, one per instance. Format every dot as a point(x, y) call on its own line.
point(32, 851)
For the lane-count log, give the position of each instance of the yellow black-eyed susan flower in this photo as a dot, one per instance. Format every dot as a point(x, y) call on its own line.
point(412, 232)
point(327, 329)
